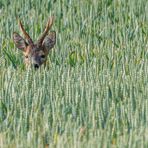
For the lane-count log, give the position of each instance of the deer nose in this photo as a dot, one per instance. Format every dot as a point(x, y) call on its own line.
point(36, 66)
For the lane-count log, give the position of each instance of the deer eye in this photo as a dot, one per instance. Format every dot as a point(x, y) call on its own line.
point(43, 56)
point(26, 57)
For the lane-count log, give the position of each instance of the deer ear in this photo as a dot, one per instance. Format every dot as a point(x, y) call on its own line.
point(19, 41)
point(49, 40)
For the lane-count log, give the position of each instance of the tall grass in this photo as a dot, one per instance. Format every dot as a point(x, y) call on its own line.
point(94, 93)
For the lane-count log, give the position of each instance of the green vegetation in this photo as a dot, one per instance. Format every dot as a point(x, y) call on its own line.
point(94, 93)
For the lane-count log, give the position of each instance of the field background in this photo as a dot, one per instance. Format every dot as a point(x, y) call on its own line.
point(94, 93)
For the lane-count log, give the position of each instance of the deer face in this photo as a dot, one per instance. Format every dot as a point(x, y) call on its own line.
point(35, 54)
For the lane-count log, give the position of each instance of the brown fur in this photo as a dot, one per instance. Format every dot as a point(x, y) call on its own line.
point(35, 54)
point(28, 53)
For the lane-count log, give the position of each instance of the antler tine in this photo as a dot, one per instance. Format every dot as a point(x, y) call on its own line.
point(47, 28)
point(25, 33)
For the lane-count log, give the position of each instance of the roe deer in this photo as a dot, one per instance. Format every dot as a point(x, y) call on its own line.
point(35, 53)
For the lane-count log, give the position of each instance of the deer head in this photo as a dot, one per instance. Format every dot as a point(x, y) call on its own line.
point(35, 54)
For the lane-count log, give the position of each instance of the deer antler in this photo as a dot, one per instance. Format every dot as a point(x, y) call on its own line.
point(48, 26)
point(25, 33)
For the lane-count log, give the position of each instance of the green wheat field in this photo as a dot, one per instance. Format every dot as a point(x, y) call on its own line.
point(94, 91)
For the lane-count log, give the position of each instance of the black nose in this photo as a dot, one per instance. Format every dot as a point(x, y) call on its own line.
point(36, 66)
